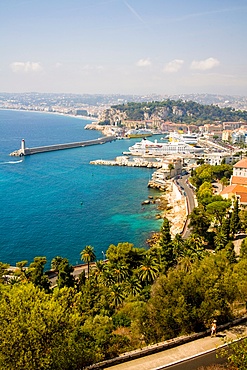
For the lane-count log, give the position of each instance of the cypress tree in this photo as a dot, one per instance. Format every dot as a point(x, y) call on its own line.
point(235, 220)
point(230, 252)
point(166, 244)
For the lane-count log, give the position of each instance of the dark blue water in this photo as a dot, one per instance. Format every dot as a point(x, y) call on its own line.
point(54, 204)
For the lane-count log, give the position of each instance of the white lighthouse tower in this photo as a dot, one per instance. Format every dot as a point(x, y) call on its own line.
point(23, 147)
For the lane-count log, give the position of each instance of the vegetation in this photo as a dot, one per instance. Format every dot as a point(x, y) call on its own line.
point(179, 111)
point(133, 298)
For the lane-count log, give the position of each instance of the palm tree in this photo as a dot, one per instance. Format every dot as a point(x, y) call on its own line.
point(134, 286)
point(56, 262)
point(120, 271)
point(99, 270)
point(149, 269)
point(117, 295)
point(88, 255)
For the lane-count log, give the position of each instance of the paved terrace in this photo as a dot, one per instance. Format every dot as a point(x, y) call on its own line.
point(182, 353)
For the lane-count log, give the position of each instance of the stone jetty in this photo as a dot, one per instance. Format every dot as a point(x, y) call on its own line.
point(23, 151)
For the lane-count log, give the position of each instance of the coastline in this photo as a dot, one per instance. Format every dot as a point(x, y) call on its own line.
point(55, 113)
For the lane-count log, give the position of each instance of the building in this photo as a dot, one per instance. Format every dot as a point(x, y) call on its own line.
point(227, 135)
point(235, 191)
point(238, 183)
point(240, 168)
point(216, 158)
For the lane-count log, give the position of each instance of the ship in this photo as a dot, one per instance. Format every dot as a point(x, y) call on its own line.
point(149, 148)
point(136, 133)
point(189, 138)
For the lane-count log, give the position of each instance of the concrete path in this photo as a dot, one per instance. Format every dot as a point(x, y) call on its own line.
point(184, 351)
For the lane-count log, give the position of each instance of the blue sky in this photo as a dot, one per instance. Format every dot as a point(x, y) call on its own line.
point(124, 46)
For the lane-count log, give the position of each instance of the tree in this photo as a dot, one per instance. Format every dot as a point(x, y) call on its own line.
point(235, 224)
point(194, 247)
point(230, 252)
point(199, 221)
point(243, 249)
point(134, 286)
point(117, 295)
point(120, 272)
point(3, 271)
point(170, 167)
point(65, 277)
point(165, 242)
point(224, 182)
point(205, 193)
point(98, 270)
point(55, 263)
point(178, 246)
point(125, 253)
point(22, 270)
point(88, 255)
point(243, 220)
point(217, 210)
point(40, 331)
point(36, 273)
point(149, 269)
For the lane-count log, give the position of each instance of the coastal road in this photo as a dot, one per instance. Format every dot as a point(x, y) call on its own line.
point(189, 192)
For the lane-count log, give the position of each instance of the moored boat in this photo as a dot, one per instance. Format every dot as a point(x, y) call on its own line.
point(136, 133)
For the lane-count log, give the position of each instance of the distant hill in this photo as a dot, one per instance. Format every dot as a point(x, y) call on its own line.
point(172, 110)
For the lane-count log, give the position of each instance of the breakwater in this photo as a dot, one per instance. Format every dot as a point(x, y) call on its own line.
point(23, 151)
point(123, 161)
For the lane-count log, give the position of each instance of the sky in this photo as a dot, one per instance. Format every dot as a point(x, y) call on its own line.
point(135, 47)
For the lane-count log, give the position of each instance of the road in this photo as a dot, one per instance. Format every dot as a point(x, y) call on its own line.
point(189, 192)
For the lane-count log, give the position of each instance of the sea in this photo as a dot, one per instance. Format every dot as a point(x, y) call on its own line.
point(56, 203)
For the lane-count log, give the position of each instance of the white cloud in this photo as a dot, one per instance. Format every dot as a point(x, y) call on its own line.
point(143, 63)
point(204, 65)
point(90, 67)
point(26, 67)
point(58, 65)
point(173, 66)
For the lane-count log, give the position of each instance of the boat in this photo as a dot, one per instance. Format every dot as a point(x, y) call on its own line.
point(149, 148)
point(189, 138)
point(135, 133)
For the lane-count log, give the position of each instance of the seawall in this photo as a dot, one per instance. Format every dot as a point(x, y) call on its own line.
point(50, 148)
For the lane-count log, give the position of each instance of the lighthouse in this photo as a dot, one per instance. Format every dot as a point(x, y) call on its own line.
point(22, 151)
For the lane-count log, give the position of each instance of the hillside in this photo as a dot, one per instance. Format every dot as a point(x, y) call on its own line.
point(171, 110)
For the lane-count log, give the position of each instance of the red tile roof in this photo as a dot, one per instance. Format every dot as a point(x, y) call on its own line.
point(238, 180)
point(236, 188)
point(243, 197)
point(241, 164)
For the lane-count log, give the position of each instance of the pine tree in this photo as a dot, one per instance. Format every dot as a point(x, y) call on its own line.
point(222, 237)
point(243, 249)
point(235, 224)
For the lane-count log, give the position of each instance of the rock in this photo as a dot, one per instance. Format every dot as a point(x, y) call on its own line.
point(146, 202)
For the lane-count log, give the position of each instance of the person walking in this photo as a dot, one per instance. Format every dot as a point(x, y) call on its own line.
point(213, 328)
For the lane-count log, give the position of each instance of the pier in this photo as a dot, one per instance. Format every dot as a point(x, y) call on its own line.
point(23, 151)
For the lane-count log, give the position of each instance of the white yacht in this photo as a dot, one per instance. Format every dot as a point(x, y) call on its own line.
point(146, 147)
point(189, 138)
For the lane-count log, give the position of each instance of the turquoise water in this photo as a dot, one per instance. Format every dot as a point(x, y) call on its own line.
point(57, 203)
